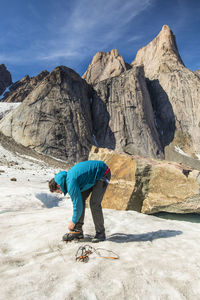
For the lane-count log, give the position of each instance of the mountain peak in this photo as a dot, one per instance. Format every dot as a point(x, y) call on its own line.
point(166, 28)
point(105, 65)
point(162, 50)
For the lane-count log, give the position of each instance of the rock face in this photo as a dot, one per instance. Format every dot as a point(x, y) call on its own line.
point(123, 117)
point(149, 186)
point(54, 118)
point(5, 79)
point(105, 65)
point(174, 91)
point(22, 88)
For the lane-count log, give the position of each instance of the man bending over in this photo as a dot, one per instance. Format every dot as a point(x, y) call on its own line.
point(85, 178)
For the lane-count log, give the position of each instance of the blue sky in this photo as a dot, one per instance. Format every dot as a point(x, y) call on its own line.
point(42, 34)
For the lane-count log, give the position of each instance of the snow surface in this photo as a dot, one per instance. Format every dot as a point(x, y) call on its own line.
point(6, 107)
point(159, 259)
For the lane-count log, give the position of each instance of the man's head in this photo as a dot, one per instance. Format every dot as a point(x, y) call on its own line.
point(54, 187)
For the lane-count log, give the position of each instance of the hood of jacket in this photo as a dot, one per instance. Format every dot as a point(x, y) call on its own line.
point(60, 179)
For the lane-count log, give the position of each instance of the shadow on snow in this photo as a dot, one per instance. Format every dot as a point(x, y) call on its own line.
point(149, 236)
point(49, 201)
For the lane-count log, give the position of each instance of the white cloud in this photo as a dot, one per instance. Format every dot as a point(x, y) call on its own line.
point(57, 54)
point(134, 38)
point(92, 26)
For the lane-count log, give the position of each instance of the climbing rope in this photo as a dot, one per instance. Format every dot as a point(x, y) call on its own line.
point(83, 253)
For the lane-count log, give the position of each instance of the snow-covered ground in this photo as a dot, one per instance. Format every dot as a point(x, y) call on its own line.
point(6, 107)
point(159, 259)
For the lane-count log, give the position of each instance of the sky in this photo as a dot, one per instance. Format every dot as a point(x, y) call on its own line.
point(38, 35)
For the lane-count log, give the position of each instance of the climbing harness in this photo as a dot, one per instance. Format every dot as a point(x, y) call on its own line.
point(83, 253)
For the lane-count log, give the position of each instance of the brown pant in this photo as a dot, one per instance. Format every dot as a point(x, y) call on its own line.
point(97, 192)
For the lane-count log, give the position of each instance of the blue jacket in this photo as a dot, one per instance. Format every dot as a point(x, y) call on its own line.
point(80, 178)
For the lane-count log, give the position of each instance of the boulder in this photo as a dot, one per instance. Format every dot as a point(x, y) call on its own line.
point(172, 189)
point(122, 114)
point(54, 118)
point(105, 65)
point(5, 79)
point(174, 92)
point(123, 169)
point(19, 90)
point(148, 185)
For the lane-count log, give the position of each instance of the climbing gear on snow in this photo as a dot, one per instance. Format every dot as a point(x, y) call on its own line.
point(83, 253)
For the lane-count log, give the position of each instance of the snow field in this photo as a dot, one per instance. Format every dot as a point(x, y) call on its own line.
point(159, 259)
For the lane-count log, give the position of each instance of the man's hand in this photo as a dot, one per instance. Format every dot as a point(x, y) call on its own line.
point(71, 225)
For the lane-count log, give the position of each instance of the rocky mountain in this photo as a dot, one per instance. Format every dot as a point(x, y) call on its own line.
point(123, 117)
point(22, 88)
point(149, 108)
point(105, 65)
point(174, 92)
point(5, 79)
point(116, 113)
point(55, 118)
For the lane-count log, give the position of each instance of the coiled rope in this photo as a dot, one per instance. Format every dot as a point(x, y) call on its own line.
point(83, 253)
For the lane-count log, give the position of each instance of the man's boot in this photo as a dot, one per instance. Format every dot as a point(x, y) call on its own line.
point(73, 235)
point(99, 237)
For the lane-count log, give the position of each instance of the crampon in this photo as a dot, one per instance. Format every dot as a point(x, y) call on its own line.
point(83, 252)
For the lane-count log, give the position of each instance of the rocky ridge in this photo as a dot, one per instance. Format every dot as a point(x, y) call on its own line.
point(22, 88)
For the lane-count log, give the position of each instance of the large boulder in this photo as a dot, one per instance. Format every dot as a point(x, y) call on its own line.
point(5, 79)
point(148, 185)
point(174, 92)
point(123, 116)
point(173, 189)
point(55, 117)
point(123, 170)
point(105, 65)
point(19, 90)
